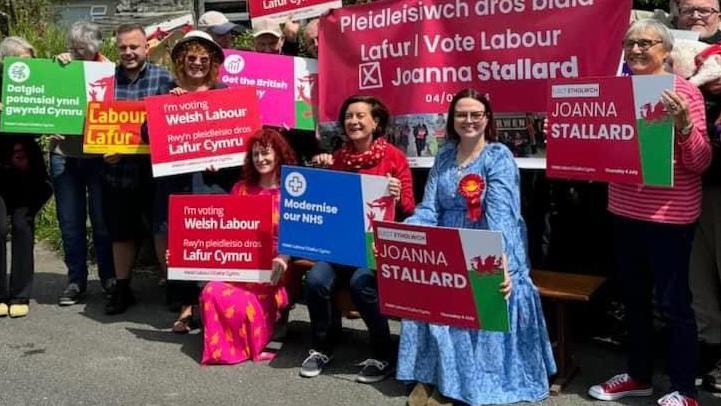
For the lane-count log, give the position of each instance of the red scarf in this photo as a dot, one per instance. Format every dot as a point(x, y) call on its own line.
point(354, 160)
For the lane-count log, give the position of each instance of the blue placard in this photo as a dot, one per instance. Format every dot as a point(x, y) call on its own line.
point(322, 215)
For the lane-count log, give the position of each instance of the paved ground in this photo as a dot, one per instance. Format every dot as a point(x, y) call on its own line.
point(78, 356)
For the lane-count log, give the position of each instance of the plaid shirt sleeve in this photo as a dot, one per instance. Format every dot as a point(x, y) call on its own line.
point(153, 80)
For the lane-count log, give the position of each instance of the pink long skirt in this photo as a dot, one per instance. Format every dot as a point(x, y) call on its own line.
point(238, 320)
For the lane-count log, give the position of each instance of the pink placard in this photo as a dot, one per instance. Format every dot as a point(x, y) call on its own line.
point(295, 9)
point(272, 76)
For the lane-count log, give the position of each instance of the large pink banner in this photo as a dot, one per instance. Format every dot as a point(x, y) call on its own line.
point(415, 55)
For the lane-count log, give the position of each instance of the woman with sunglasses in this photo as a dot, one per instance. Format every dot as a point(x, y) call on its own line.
point(196, 64)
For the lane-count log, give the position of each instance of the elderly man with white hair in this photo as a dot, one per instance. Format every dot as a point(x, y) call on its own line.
point(702, 16)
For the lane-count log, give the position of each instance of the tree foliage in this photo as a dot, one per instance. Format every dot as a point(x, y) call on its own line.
point(38, 22)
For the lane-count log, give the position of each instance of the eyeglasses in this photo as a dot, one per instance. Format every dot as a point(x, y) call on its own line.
point(474, 116)
point(643, 44)
point(703, 12)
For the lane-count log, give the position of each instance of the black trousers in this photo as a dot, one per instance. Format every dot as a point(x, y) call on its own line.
point(22, 265)
point(655, 257)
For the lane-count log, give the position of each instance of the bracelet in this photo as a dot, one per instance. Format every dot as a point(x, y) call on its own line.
point(687, 129)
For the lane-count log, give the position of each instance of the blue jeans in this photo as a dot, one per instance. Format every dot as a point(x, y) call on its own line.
point(321, 283)
point(78, 185)
point(654, 257)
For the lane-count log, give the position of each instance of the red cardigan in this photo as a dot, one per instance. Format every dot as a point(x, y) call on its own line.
point(394, 163)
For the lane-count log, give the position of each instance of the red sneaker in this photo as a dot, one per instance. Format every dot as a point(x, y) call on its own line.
point(618, 387)
point(677, 399)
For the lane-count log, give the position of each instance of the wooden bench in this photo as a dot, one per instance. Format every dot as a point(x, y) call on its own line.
point(563, 289)
point(559, 288)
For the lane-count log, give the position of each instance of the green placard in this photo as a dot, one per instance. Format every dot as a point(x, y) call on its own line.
point(43, 96)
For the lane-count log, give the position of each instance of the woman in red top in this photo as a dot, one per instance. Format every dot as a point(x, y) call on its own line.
point(364, 120)
point(653, 229)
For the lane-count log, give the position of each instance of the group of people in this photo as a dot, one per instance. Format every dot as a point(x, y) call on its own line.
point(664, 238)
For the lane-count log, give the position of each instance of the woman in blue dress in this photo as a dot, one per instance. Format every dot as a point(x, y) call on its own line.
point(471, 366)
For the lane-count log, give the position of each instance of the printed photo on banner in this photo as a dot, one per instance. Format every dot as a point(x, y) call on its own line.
point(114, 128)
point(286, 86)
point(220, 238)
point(284, 9)
point(322, 221)
point(522, 134)
point(611, 129)
point(429, 51)
point(420, 136)
point(195, 131)
point(43, 96)
point(441, 275)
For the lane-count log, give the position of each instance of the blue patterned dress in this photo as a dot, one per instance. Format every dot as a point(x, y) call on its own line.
point(474, 366)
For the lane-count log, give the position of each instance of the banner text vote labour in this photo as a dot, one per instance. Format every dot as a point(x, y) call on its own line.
point(434, 43)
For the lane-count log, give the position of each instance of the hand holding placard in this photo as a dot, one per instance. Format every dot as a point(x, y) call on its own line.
point(677, 106)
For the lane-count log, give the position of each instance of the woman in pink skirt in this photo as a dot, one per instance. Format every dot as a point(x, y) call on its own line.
point(238, 318)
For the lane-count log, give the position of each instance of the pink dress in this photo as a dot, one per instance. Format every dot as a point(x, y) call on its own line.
point(238, 318)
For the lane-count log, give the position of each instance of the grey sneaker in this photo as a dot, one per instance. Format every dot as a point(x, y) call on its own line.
point(71, 295)
point(373, 371)
point(314, 364)
point(712, 379)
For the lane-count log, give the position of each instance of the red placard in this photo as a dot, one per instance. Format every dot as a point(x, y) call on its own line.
point(220, 237)
point(610, 129)
point(578, 110)
point(296, 9)
point(428, 51)
point(441, 275)
point(198, 130)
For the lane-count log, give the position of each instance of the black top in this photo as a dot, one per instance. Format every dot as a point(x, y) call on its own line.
point(712, 176)
point(28, 187)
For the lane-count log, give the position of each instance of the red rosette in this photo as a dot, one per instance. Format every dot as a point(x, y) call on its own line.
point(471, 188)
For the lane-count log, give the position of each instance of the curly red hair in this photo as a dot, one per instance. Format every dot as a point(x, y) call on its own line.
point(267, 138)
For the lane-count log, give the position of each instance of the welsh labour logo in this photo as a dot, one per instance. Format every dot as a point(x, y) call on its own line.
point(369, 75)
point(234, 64)
point(295, 184)
point(19, 72)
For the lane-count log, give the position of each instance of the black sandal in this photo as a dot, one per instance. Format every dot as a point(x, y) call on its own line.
point(183, 325)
